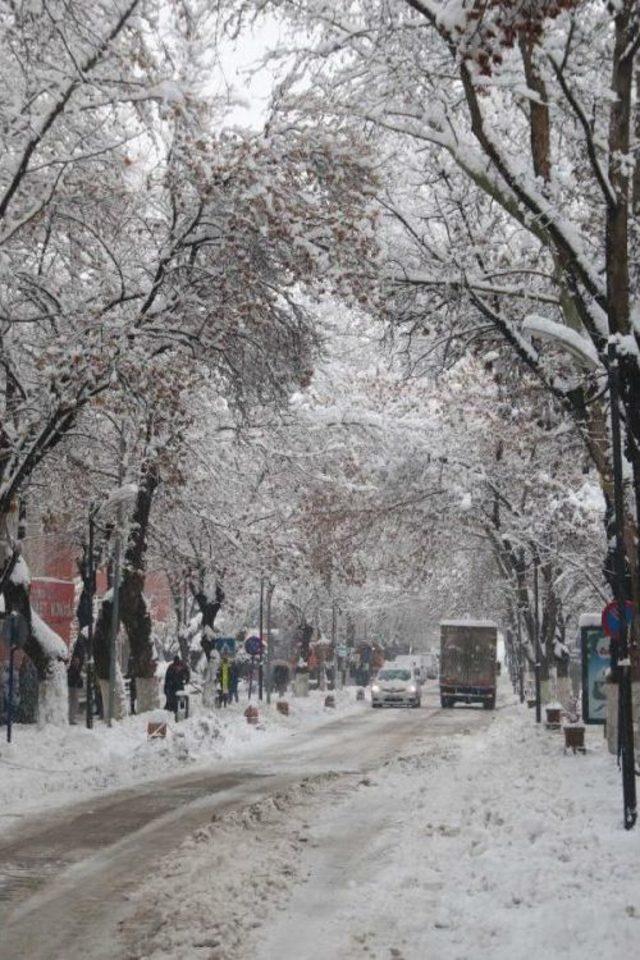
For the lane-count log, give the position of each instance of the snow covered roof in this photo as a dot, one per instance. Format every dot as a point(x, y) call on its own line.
point(590, 620)
point(469, 623)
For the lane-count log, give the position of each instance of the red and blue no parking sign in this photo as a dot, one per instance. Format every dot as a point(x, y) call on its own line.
point(611, 621)
point(253, 646)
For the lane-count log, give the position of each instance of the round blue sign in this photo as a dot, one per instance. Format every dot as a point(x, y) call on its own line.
point(253, 646)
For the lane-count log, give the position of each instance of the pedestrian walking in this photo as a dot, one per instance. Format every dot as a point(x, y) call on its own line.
point(281, 677)
point(175, 679)
point(234, 681)
point(131, 677)
point(224, 681)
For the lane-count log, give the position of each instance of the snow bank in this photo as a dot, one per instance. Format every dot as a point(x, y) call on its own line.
point(482, 845)
point(487, 841)
point(48, 766)
point(53, 696)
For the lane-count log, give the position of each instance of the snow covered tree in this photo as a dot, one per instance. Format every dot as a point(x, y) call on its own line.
point(508, 131)
point(131, 229)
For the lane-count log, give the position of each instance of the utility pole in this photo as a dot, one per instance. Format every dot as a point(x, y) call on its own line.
point(115, 607)
point(620, 648)
point(91, 589)
point(334, 640)
point(12, 649)
point(520, 660)
point(270, 588)
point(536, 628)
point(260, 668)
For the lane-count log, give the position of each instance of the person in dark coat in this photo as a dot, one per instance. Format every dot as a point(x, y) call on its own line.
point(175, 679)
point(224, 682)
point(131, 677)
point(234, 680)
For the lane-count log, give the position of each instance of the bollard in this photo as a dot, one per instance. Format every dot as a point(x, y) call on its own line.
point(182, 706)
point(282, 706)
point(360, 694)
point(574, 738)
point(553, 718)
point(251, 713)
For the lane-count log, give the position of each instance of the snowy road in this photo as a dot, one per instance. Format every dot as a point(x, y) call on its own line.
point(397, 835)
point(69, 877)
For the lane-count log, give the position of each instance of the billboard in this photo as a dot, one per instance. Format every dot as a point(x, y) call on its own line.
point(54, 600)
point(595, 665)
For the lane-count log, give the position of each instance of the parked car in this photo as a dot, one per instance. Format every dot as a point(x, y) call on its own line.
point(395, 686)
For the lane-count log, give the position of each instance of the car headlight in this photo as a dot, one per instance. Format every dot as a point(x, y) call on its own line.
point(375, 688)
point(411, 689)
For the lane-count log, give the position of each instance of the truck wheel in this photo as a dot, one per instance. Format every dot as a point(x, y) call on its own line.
point(447, 703)
point(489, 704)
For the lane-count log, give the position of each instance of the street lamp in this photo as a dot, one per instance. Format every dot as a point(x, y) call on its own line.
point(520, 658)
point(85, 610)
point(260, 668)
point(270, 588)
point(620, 653)
point(584, 352)
point(536, 629)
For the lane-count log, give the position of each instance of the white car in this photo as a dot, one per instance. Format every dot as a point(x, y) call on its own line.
point(395, 686)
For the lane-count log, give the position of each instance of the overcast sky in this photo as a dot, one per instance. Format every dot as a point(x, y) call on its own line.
point(239, 61)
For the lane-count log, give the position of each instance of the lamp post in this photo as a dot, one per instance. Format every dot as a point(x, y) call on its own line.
point(536, 630)
point(270, 588)
point(520, 660)
point(620, 653)
point(260, 669)
point(620, 658)
point(90, 587)
point(115, 619)
point(115, 607)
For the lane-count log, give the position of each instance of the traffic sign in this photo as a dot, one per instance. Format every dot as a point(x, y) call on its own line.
point(611, 617)
point(226, 646)
point(253, 646)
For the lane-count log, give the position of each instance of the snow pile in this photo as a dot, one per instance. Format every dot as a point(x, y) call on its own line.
point(43, 767)
point(227, 879)
point(53, 696)
point(492, 845)
point(485, 841)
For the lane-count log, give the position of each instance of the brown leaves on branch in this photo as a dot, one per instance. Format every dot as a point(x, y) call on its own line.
point(486, 28)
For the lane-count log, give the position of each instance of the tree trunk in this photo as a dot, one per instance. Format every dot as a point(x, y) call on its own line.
point(134, 612)
point(209, 608)
point(133, 606)
point(50, 666)
point(177, 586)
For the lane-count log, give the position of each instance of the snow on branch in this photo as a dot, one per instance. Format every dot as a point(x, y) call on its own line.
point(573, 342)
